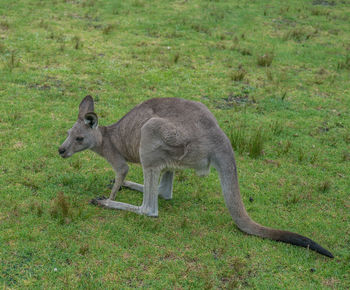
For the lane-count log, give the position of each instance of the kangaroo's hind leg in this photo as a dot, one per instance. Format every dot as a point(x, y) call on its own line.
point(165, 188)
point(160, 145)
point(149, 205)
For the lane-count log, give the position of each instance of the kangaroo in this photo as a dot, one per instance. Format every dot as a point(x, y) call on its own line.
point(164, 134)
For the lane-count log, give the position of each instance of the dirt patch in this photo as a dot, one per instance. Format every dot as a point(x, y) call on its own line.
point(324, 3)
point(234, 100)
point(47, 84)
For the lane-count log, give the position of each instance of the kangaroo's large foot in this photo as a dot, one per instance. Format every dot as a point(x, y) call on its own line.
point(111, 204)
point(133, 185)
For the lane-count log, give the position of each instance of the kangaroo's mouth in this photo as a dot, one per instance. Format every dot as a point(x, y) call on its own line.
point(63, 153)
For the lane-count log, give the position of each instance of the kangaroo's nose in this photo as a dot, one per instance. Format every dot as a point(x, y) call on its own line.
point(61, 150)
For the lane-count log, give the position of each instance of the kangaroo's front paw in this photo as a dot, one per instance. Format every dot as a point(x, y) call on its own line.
point(98, 201)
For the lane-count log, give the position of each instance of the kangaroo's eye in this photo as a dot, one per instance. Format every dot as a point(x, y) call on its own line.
point(79, 139)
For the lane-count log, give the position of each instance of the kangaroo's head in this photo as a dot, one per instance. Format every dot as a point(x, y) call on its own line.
point(84, 134)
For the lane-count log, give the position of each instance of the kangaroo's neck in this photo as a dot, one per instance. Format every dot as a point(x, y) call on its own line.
point(111, 144)
point(103, 142)
point(123, 138)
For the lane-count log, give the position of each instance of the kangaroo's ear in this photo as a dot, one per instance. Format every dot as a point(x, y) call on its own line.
point(91, 120)
point(86, 105)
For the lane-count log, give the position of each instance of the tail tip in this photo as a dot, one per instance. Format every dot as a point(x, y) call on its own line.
point(327, 254)
point(319, 249)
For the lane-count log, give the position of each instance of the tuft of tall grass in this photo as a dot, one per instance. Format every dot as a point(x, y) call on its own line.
point(325, 186)
point(238, 139)
point(316, 11)
point(4, 25)
point(201, 28)
point(238, 74)
point(276, 127)
point(256, 144)
point(251, 143)
point(138, 3)
point(43, 24)
point(176, 57)
point(301, 155)
point(293, 199)
point(299, 34)
point(77, 42)
point(108, 29)
point(60, 208)
point(269, 75)
point(265, 59)
point(88, 3)
point(11, 60)
point(344, 64)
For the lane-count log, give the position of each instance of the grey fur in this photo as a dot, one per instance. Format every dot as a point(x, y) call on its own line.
point(165, 134)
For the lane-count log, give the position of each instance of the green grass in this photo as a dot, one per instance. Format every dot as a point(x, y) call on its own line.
point(275, 70)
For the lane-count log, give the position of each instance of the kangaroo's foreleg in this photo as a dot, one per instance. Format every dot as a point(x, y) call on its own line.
point(149, 205)
point(121, 170)
point(165, 188)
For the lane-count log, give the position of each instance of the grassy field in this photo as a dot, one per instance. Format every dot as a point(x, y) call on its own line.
point(276, 76)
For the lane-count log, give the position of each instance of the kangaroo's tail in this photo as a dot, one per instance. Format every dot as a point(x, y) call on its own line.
point(226, 166)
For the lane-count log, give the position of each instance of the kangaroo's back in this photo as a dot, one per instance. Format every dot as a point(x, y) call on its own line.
point(194, 119)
